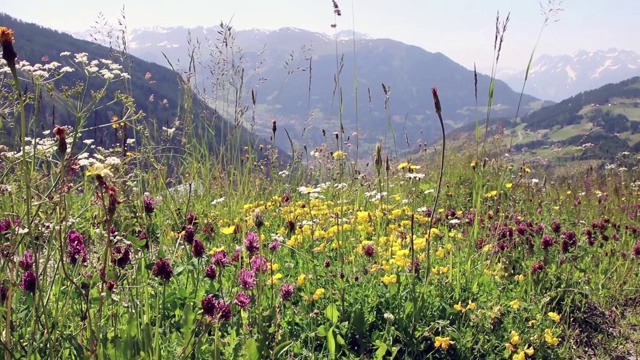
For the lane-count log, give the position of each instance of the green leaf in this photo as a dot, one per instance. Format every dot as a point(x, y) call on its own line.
point(382, 349)
point(331, 343)
point(251, 350)
point(332, 314)
point(322, 330)
point(282, 348)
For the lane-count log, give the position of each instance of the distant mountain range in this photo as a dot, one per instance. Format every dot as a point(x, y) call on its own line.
point(603, 123)
point(292, 73)
point(557, 77)
point(156, 91)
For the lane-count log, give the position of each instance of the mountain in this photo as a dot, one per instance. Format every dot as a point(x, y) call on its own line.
point(598, 124)
point(299, 76)
point(155, 90)
point(561, 76)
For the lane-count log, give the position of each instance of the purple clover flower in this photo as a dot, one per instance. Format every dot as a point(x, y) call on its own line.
point(162, 270)
point(287, 290)
point(77, 250)
point(242, 300)
point(247, 278)
point(29, 282)
point(259, 264)
point(26, 263)
point(252, 242)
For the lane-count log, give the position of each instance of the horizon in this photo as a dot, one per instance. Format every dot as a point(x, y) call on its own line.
point(464, 28)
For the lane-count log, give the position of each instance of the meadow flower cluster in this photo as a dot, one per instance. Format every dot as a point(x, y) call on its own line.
point(100, 258)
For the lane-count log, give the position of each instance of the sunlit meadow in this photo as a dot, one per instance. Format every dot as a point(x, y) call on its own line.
point(137, 251)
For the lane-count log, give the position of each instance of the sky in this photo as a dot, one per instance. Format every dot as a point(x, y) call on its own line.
point(461, 29)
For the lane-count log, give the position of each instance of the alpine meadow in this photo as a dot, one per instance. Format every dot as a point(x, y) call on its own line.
point(166, 212)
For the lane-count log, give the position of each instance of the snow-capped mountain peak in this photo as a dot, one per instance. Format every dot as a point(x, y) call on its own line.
point(556, 77)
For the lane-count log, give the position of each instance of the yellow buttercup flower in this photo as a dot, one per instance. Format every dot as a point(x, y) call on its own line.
point(390, 279)
point(301, 279)
point(515, 304)
point(554, 316)
point(528, 349)
point(549, 338)
point(338, 155)
point(443, 342)
point(228, 230)
point(459, 307)
point(318, 294)
point(515, 338)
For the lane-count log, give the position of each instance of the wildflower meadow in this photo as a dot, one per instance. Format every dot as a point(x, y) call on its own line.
point(140, 251)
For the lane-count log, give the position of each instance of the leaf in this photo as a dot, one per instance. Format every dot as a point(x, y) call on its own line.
point(331, 343)
point(251, 350)
point(332, 314)
point(322, 330)
point(282, 348)
point(382, 349)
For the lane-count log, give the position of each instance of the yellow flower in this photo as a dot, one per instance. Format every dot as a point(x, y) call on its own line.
point(390, 279)
point(520, 277)
point(273, 267)
point(318, 294)
point(98, 169)
point(528, 349)
point(459, 307)
point(301, 279)
point(515, 338)
point(519, 356)
point(554, 316)
point(216, 249)
point(338, 155)
point(440, 253)
point(508, 185)
point(443, 342)
point(549, 338)
point(471, 305)
point(492, 193)
point(228, 230)
point(473, 164)
point(532, 323)
point(515, 304)
point(275, 278)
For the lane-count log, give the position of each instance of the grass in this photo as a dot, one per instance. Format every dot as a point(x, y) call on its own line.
point(319, 260)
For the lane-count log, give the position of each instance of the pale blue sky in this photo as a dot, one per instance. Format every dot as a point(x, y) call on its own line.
point(461, 29)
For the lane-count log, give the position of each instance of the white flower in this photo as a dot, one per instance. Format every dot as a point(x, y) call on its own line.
point(86, 162)
point(65, 53)
point(125, 76)
point(283, 173)
point(308, 190)
point(40, 74)
point(92, 69)
point(67, 69)
point(429, 191)
point(218, 201)
point(131, 141)
point(81, 57)
point(112, 160)
point(88, 141)
point(340, 186)
point(454, 221)
point(83, 156)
